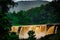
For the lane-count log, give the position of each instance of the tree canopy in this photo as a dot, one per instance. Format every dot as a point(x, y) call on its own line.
point(5, 24)
point(44, 14)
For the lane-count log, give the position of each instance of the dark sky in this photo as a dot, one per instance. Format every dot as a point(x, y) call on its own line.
point(32, 0)
point(26, 5)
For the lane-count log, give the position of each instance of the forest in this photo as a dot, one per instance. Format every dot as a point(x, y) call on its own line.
point(45, 14)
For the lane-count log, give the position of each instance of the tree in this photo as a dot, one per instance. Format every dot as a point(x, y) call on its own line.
point(31, 35)
point(13, 36)
point(56, 7)
point(5, 24)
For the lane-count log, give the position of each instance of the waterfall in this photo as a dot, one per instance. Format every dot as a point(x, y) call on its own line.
point(40, 30)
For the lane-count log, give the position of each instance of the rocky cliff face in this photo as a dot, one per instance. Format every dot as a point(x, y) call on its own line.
point(40, 30)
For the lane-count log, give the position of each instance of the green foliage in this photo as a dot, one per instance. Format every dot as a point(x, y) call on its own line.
point(44, 14)
point(10, 36)
point(5, 24)
point(13, 36)
point(31, 35)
